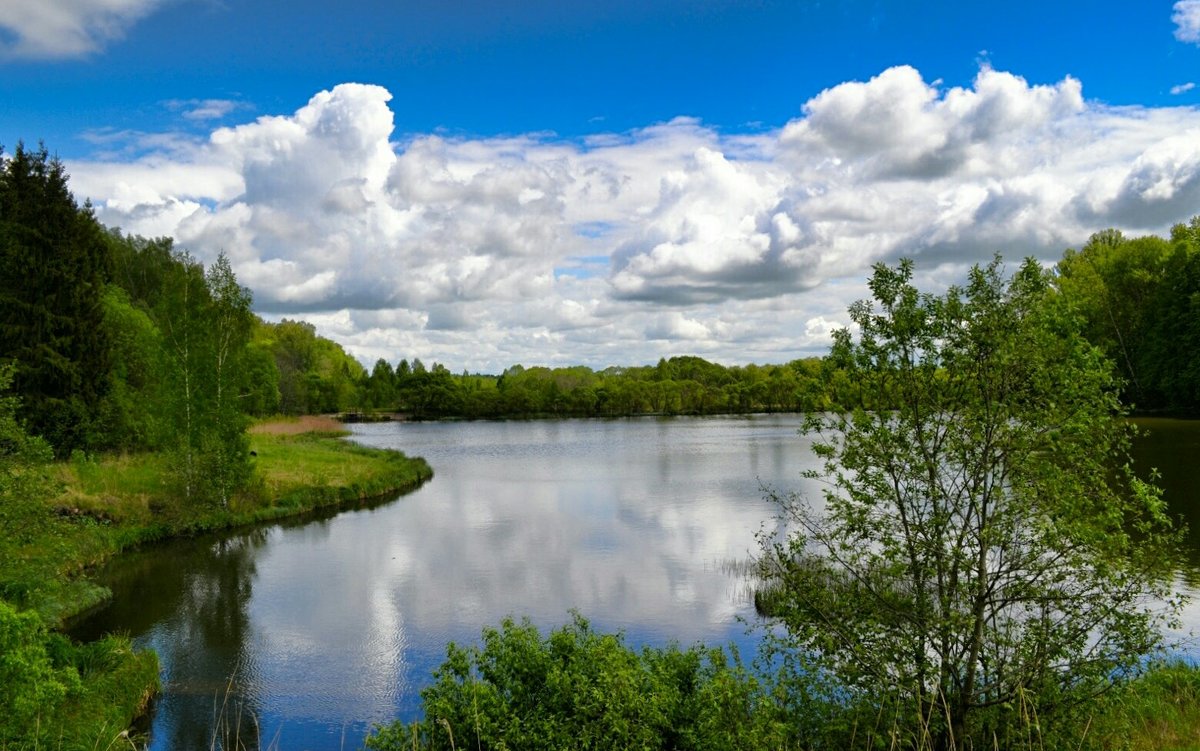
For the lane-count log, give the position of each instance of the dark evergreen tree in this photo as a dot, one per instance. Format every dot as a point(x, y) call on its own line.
point(54, 264)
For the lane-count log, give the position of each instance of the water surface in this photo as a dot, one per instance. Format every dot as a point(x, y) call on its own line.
point(315, 629)
point(309, 631)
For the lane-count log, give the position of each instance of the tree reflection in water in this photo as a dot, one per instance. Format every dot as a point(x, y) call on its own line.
point(195, 619)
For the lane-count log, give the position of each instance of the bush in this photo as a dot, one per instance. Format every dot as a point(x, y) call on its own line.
point(583, 690)
point(32, 681)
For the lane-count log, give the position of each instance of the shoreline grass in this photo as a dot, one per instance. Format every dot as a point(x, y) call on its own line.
point(115, 503)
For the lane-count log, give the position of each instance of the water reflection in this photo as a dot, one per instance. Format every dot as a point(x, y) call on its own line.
point(329, 626)
point(191, 608)
point(1173, 448)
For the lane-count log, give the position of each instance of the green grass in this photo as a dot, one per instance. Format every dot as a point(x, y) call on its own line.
point(1159, 711)
point(308, 466)
point(109, 504)
point(117, 684)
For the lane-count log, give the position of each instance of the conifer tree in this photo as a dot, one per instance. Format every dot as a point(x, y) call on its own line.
point(53, 266)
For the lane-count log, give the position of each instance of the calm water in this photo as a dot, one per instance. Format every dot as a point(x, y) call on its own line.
point(316, 630)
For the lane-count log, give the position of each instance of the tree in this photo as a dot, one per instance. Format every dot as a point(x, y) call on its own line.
point(982, 544)
point(53, 266)
point(381, 386)
point(32, 681)
point(129, 416)
point(182, 315)
point(206, 324)
point(1112, 280)
point(24, 480)
point(230, 321)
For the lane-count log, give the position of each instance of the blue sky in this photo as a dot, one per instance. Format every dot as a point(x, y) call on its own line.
point(573, 68)
point(606, 182)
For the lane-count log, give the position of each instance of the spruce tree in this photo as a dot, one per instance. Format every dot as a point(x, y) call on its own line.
point(53, 266)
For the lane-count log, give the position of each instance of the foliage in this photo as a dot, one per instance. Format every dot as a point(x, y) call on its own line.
point(976, 552)
point(1140, 298)
point(205, 319)
point(57, 694)
point(1158, 710)
point(579, 689)
point(53, 267)
point(128, 417)
point(680, 385)
point(23, 478)
point(31, 683)
point(315, 375)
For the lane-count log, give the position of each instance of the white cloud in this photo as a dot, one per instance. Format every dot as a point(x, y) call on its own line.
point(1187, 21)
point(66, 28)
point(675, 326)
point(204, 109)
point(671, 239)
point(1182, 88)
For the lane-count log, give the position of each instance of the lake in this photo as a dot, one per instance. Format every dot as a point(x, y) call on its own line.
point(321, 627)
point(307, 632)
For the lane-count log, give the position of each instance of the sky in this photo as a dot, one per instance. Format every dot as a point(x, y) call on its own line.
point(606, 182)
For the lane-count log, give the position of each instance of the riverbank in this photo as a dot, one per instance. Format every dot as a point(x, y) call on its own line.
point(110, 504)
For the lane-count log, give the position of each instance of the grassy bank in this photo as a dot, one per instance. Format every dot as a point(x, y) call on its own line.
point(85, 695)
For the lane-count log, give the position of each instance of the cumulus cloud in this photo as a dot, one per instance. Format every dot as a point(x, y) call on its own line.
point(670, 239)
point(711, 235)
point(1187, 21)
point(66, 28)
point(1182, 88)
point(898, 126)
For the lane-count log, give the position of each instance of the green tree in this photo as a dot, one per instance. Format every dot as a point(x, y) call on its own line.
point(129, 415)
point(1112, 281)
point(381, 386)
point(32, 682)
point(983, 546)
point(314, 374)
point(53, 267)
point(230, 321)
point(206, 322)
point(24, 482)
point(261, 390)
point(182, 316)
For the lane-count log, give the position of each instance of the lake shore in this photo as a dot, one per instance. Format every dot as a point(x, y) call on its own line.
point(112, 504)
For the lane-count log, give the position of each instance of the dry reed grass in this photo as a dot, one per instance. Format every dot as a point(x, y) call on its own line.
point(298, 425)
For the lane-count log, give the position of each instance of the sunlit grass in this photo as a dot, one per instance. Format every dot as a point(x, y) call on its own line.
point(108, 503)
point(287, 462)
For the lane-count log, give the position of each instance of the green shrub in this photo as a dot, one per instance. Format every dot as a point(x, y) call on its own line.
point(32, 680)
point(582, 690)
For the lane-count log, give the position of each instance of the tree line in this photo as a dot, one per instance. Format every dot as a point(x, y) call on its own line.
point(684, 385)
point(1140, 300)
point(127, 343)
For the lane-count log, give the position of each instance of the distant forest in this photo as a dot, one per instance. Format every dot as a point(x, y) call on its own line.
point(117, 342)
